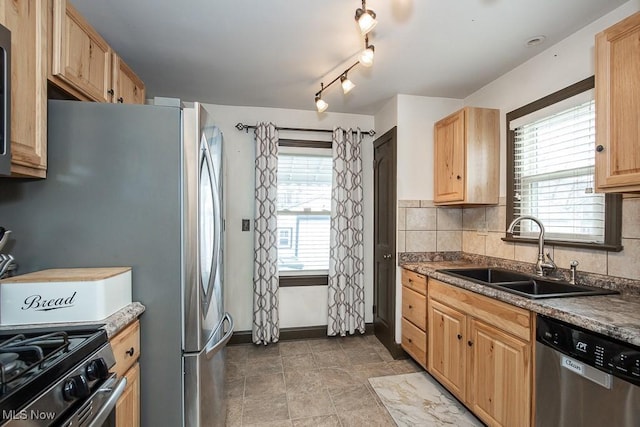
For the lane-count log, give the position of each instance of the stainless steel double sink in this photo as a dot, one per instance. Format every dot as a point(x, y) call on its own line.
point(526, 285)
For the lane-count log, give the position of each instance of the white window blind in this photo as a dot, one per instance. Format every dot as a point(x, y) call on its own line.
point(304, 209)
point(554, 158)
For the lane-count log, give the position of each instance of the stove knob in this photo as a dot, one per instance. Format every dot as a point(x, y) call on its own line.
point(97, 370)
point(75, 388)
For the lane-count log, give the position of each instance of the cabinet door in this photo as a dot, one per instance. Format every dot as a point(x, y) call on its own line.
point(25, 20)
point(500, 376)
point(128, 406)
point(449, 158)
point(618, 107)
point(127, 86)
point(446, 344)
point(80, 57)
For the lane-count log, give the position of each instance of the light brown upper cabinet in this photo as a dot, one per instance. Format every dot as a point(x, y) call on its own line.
point(127, 86)
point(80, 58)
point(26, 21)
point(84, 65)
point(467, 157)
point(618, 107)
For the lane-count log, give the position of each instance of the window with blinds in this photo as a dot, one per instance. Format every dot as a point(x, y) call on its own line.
point(304, 209)
point(554, 165)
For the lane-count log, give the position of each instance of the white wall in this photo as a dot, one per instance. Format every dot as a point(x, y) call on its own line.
point(561, 65)
point(416, 116)
point(387, 117)
point(299, 306)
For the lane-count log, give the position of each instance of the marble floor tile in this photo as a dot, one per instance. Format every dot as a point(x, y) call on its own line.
point(369, 417)
point(261, 385)
point(294, 348)
point(304, 381)
point(417, 399)
point(336, 378)
point(267, 408)
point(321, 382)
point(234, 388)
point(264, 365)
point(234, 412)
point(362, 356)
point(321, 421)
point(280, 423)
point(299, 362)
point(309, 404)
point(331, 358)
point(257, 351)
point(352, 398)
point(324, 344)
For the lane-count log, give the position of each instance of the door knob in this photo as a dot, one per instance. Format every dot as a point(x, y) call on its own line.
point(386, 256)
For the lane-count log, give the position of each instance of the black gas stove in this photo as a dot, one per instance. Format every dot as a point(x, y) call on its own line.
point(52, 377)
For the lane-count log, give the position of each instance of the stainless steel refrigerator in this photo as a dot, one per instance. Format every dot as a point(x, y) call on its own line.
point(140, 186)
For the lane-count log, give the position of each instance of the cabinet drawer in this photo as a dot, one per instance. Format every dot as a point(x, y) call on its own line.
point(414, 308)
point(414, 342)
point(415, 281)
point(126, 348)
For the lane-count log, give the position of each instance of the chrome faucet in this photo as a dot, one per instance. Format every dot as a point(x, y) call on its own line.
point(542, 265)
point(574, 267)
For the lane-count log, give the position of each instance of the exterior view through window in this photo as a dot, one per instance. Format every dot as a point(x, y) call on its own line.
point(554, 160)
point(304, 209)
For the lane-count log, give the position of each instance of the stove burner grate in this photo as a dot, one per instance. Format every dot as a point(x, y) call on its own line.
point(19, 355)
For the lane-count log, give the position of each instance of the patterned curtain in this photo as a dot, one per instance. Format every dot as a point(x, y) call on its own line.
point(266, 327)
point(346, 264)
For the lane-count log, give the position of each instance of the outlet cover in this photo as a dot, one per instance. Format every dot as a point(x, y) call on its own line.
point(246, 225)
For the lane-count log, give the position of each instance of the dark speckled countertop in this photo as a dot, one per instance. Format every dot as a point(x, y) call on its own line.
point(617, 316)
point(112, 324)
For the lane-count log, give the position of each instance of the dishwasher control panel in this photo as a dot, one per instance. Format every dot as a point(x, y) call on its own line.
point(605, 353)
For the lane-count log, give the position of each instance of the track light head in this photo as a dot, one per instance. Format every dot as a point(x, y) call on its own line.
point(366, 19)
point(366, 56)
point(347, 84)
point(321, 105)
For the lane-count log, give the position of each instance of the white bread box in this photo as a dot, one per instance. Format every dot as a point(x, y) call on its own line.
point(64, 295)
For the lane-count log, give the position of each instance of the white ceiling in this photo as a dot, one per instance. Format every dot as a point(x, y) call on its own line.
point(275, 53)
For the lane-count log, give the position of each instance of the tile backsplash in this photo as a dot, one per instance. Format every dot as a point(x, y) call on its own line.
point(423, 227)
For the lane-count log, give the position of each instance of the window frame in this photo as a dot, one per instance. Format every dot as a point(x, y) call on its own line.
point(613, 202)
point(294, 280)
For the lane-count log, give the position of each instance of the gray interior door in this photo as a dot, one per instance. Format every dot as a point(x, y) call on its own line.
point(384, 224)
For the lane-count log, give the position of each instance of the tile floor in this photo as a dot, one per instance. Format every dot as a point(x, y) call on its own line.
point(315, 382)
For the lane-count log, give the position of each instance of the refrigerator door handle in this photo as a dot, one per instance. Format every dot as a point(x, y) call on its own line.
point(212, 349)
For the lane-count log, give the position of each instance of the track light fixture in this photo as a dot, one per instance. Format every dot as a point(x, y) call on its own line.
point(366, 56)
point(366, 20)
point(347, 84)
point(321, 105)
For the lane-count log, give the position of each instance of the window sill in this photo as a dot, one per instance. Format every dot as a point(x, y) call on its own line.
point(577, 245)
point(291, 281)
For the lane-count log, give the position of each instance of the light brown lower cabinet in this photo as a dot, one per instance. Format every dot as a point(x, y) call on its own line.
point(447, 352)
point(128, 406)
point(414, 316)
point(126, 349)
point(481, 350)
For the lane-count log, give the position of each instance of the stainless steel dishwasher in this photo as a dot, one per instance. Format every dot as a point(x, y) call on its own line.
point(584, 379)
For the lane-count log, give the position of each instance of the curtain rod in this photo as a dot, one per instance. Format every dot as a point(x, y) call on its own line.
point(241, 126)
